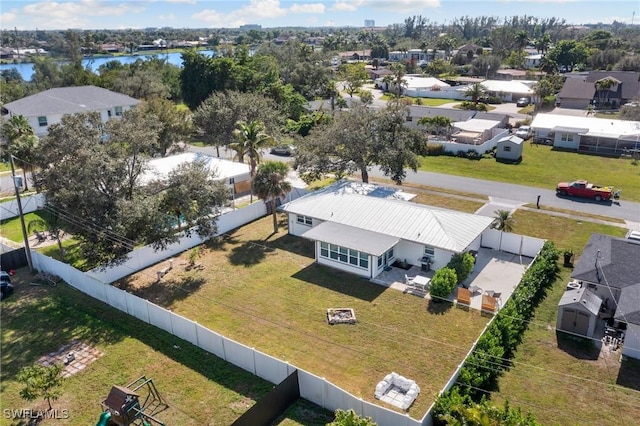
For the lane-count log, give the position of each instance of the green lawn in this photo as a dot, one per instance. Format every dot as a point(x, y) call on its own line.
point(424, 101)
point(266, 291)
point(200, 388)
point(544, 167)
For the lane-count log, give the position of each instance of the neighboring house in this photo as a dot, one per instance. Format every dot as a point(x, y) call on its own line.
point(356, 55)
point(521, 75)
point(609, 269)
point(578, 311)
point(533, 61)
point(506, 90)
point(509, 148)
point(587, 134)
point(475, 131)
point(112, 48)
point(235, 175)
point(46, 108)
point(580, 92)
point(363, 233)
point(375, 74)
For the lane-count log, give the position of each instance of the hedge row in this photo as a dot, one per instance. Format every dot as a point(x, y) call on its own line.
point(488, 361)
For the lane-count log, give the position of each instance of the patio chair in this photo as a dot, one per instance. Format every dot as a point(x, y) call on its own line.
point(40, 237)
point(463, 296)
point(489, 303)
point(408, 280)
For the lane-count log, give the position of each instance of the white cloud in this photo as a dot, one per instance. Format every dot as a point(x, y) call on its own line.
point(76, 14)
point(400, 6)
point(346, 5)
point(168, 17)
point(255, 11)
point(307, 8)
point(181, 1)
point(608, 20)
point(8, 19)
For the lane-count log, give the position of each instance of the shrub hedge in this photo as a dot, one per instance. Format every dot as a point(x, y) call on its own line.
point(462, 263)
point(482, 369)
point(443, 282)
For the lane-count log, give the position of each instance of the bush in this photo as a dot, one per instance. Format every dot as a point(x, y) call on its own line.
point(435, 149)
point(472, 154)
point(462, 263)
point(470, 105)
point(484, 366)
point(443, 282)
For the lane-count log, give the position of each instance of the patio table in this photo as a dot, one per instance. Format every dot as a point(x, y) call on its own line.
point(421, 281)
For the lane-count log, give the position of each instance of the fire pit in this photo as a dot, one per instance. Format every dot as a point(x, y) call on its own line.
point(341, 316)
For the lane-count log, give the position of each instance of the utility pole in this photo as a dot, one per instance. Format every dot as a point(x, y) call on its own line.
point(25, 236)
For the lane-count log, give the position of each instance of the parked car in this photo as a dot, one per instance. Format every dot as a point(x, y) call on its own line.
point(283, 150)
point(524, 132)
point(523, 102)
point(6, 287)
point(633, 235)
point(584, 189)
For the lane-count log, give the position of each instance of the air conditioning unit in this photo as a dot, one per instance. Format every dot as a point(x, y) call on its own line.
point(573, 285)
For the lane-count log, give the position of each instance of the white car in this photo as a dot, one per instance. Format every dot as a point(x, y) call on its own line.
point(633, 235)
point(524, 132)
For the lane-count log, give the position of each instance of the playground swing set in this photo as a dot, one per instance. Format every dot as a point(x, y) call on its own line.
point(125, 405)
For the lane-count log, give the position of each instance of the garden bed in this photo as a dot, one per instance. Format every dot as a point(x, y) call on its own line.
point(341, 316)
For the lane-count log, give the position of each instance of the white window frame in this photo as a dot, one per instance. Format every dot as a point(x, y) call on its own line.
point(344, 255)
point(118, 111)
point(429, 251)
point(304, 220)
point(41, 122)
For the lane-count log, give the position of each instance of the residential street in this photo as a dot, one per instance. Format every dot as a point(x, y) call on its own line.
point(625, 210)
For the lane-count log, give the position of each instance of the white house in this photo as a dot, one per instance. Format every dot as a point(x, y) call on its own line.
point(235, 175)
point(46, 108)
point(506, 90)
point(587, 134)
point(533, 61)
point(364, 233)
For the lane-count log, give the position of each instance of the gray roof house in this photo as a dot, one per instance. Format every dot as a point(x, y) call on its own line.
point(579, 92)
point(46, 108)
point(361, 232)
point(609, 268)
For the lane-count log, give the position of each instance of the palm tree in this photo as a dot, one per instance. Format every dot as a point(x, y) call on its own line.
point(250, 140)
point(548, 66)
point(503, 221)
point(397, 78)
point(438, 124)
point(542, 44)
point(269, 184)
point(22, 142)
point(602, 86)
point(475, 92)
point(521, 39)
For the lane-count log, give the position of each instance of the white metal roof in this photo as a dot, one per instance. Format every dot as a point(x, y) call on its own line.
point(445, 229)
point(160, 168)
point(353, 238)
point(603, 127)
point(506, 86)
point(476, 125)
point(423, 82)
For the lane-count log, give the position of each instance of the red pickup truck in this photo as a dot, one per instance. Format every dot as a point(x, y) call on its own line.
point(582, 188)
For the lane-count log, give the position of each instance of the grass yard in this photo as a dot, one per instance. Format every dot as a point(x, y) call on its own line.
point(544, 167)
point(423, 101)
point(200, 388)
point(265, 290)
point(562, 381)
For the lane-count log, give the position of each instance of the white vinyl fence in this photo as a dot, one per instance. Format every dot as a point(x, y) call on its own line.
point(313, 388)
point(511, 243)
point(31, 203)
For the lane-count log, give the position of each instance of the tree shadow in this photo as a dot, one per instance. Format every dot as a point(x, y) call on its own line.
point(249, 253)
point(577, 347)
point(220, 242)
point(339, 281)
point(629, 373)
point(441, 307)
point(42, 319)
point(166, 291)
point(293, 244)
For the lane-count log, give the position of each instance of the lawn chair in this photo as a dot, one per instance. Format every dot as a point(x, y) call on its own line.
point(40, 237)
point(463, 296)
point(409, 280)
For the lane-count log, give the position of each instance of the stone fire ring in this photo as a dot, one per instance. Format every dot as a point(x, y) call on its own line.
point(341, 316)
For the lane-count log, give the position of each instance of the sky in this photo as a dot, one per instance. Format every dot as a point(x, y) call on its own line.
point(121, 14)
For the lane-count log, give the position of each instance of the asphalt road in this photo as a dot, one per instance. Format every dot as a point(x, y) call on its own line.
point(525, 194)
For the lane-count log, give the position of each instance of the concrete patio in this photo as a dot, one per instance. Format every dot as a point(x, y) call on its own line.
point(495, 271)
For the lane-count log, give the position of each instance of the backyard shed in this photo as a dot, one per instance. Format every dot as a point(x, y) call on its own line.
point(578, 311)
point(509, 148)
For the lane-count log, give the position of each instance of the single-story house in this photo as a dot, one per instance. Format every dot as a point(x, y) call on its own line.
point(417, 86)
point(533, 61)
point(235, 175)
point(578, 311)
point(364, 233)
point(506, 90)
point(609, 268)
point(46, 108)
point(474, 131)
point(375, 74)
point(580, 92)
point(587, 134)
point(509, 148)
point(356, 55)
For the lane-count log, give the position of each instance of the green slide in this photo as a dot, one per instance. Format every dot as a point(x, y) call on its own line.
point(104, 419)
